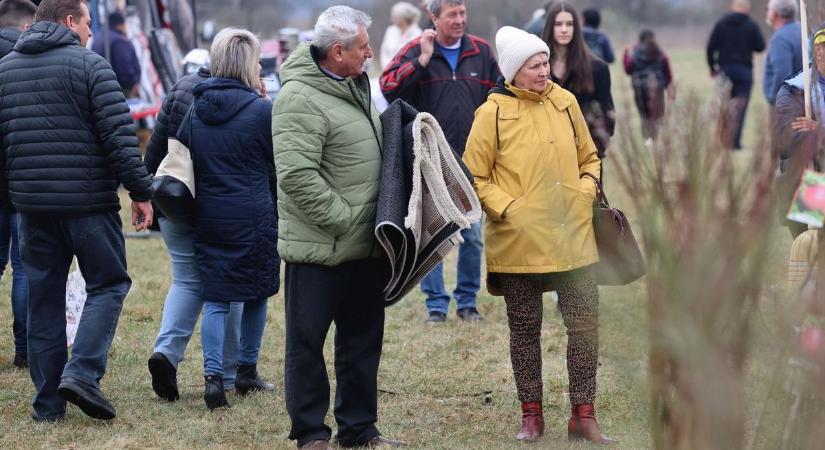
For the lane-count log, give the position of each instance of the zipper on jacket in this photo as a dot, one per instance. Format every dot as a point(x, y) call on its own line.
point(453, 75)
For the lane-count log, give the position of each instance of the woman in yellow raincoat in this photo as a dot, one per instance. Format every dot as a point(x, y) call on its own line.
point(534, 166)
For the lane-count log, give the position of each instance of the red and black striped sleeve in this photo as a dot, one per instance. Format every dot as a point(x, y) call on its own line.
point(402, 72)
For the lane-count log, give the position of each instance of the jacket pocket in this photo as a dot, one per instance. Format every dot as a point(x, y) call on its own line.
point(516, 206)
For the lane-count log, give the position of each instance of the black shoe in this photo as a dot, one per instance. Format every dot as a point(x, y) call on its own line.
point(164, 377)
point(436, 317)
point(469, 315)
point(248, 379)
point(213, 394)
point(89, 399)
point(21, 360)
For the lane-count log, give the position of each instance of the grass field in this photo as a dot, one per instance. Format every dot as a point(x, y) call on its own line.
point(442, 387)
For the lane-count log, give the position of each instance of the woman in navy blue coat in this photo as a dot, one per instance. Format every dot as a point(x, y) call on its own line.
point(235, 226)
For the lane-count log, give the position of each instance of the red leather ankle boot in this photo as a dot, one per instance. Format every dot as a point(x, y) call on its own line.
point(584, 427)
point(532, 422)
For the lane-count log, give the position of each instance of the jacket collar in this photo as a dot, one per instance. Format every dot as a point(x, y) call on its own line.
point(511, 94)
point(469, 47)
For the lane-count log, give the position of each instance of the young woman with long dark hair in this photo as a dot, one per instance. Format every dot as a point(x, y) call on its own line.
point(576, 69)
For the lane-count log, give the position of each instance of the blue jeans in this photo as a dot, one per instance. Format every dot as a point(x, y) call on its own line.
point(47, 244)
point(10, 249)
point(253, 322)
point(183, 303)
point(469, 275)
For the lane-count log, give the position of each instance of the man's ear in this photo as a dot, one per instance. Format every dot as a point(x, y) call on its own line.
point(70, 21)
point(337, 52)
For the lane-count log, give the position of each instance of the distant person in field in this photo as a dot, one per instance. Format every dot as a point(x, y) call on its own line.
point(404, 17)
point(536, 24)
point(15, 17)
point(733, 41)
point(793, 132)
point(785, 49)
point(122, 54)
point(575, 68)
point(597, 40)
point(650, 74)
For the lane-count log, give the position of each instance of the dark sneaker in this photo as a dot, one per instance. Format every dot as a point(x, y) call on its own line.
point(248, 380)
point(436, 317)
point(469, 315)
point(164, 377)
point(21, 360)
point(90, 400)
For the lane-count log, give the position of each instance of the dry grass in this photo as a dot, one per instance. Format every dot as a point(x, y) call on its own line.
point(442, 387)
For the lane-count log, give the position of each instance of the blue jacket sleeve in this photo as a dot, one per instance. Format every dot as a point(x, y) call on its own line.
point(779, 65)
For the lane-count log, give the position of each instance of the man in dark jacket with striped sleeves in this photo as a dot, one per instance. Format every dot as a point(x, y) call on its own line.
point(68, 141)
point(447, 73)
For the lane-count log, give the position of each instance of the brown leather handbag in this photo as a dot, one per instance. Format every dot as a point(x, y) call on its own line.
point(620, 259)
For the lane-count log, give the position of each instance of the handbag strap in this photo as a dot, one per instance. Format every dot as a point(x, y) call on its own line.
point(599, 190)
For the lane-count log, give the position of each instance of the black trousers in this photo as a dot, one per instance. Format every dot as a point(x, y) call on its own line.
point(351, 295)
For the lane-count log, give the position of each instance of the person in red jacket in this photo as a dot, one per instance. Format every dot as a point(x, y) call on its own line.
point(447, 73)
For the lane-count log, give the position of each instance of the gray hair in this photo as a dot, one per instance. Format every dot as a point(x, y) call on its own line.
point(436, 5)
point(235, 53)
point(338, 25)
point(406, 11)
point(785, 9)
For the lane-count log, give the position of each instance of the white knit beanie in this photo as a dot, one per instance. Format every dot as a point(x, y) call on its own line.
point(514, 48)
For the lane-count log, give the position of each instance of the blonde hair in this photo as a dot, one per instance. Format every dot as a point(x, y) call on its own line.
point(235, 53)
point(406, 11)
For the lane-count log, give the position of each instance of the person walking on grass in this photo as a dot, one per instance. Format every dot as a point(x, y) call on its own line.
point(650, 75)
point(15, 17)
point(785, 49)
point(576, 69)
point(65, 149)
point(447, 73)
point(733, 41)
point(184, 300)
point(327, 137)
point(535, 170)
point(235, 226)
point(596, 40)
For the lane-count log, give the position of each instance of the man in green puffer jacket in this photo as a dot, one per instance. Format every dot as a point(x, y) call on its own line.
point(327, 140)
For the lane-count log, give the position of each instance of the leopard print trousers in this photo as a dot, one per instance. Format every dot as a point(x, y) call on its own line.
point(579, 306)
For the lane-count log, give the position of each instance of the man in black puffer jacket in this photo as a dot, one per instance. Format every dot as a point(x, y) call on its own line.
point(67, 143)
point(15, 16)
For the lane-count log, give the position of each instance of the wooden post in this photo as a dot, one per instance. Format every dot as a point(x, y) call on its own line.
point(803, 18)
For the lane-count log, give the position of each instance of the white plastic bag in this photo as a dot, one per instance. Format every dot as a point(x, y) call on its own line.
point(75, 299)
